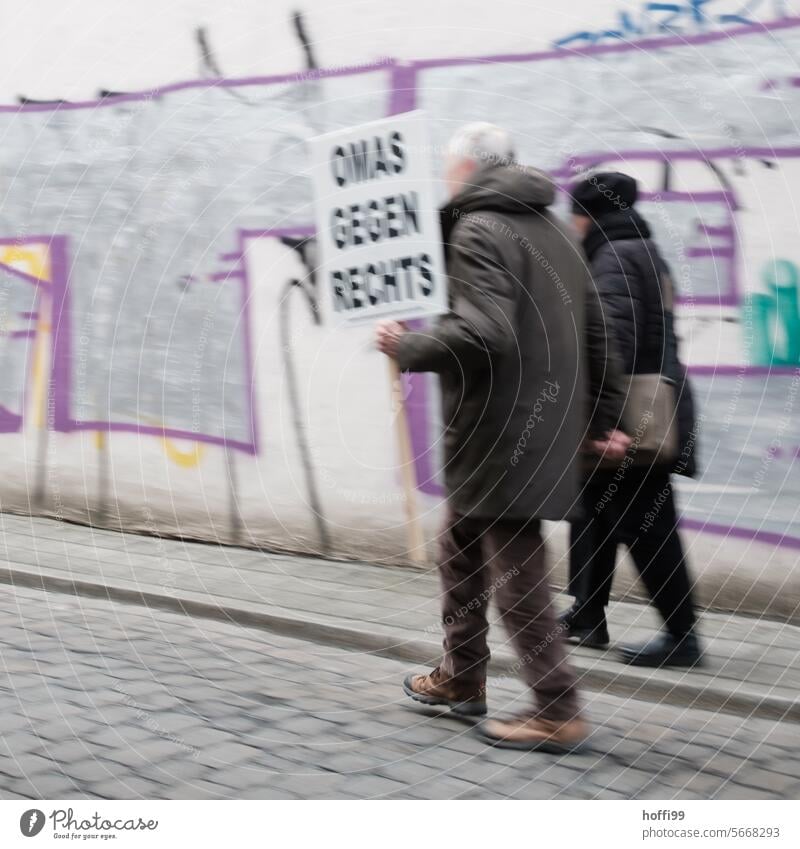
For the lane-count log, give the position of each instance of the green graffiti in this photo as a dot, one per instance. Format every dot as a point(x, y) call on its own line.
point(773, 329)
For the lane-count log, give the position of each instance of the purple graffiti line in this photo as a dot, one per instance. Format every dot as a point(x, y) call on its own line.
point(226, 276)
point(404, 74)
point(10, 421)
point(61, 379)
point(774, 538)
point(405, 83)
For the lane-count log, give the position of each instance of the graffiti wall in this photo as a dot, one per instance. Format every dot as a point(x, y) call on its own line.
point(168, 367)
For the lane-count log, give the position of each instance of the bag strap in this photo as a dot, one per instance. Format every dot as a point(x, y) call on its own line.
point(665, 303)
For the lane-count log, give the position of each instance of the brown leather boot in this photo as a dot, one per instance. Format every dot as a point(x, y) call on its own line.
point(534, 733)
point(436, 689)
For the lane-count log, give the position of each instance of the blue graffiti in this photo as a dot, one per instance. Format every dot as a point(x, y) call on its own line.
point(680, 18)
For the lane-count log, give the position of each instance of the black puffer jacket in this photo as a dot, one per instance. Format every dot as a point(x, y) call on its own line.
point(636, 291)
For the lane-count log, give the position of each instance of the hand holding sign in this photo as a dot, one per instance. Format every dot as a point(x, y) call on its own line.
point(388, 335)
point(380, 247)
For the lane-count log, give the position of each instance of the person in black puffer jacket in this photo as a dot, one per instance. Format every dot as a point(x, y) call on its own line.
point(635, 505)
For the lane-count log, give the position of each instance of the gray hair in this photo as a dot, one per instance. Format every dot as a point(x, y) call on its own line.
point(483, 143)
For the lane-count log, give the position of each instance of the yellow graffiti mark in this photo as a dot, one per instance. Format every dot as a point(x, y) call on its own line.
point(35, 258)
point(186, 459)
point(39, 401)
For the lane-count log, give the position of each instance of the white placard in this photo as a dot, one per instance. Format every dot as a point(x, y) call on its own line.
point(379, 238)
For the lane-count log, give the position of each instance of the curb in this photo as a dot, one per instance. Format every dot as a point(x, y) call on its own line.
point(663, 686)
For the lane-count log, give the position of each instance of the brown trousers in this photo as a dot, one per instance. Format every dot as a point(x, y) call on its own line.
point(480, 558)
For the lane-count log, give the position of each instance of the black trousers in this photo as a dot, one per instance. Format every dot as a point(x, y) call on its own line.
point(636, 509)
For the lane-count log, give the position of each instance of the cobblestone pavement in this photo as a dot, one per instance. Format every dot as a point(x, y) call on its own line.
point(116, 701)
point(748, 658)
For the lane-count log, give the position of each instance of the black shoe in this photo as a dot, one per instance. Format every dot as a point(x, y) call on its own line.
point(665, 650)
point(578, 629)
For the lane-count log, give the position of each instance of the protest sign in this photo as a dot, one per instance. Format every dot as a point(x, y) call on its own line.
point(378, 234)
point(379, 246)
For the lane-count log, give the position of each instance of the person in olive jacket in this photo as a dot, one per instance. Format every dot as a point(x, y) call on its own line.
point(633, 505)
point(511, 358)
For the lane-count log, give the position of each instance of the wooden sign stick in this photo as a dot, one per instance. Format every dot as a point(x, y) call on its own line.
point(414, 535)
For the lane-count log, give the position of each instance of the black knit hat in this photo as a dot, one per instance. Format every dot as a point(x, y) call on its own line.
point(604, 192)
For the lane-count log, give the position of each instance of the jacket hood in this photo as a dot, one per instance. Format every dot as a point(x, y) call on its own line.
point(513, 189)
point(505, 188)
point(614, 227)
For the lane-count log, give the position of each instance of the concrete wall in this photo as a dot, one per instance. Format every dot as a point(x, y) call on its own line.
point(166, 363)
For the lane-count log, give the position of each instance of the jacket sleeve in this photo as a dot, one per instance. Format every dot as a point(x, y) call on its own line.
point(481, 323)
point(619, 286)
point(606, 387)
